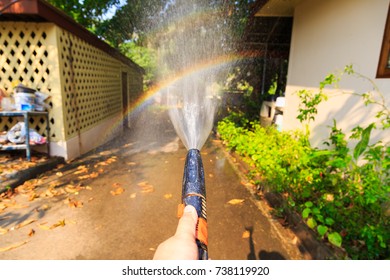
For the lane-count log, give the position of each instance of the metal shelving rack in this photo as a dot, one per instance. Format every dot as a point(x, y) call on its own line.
point(26, 116)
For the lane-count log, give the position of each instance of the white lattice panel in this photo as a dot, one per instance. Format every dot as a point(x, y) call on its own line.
point(91, 84)
point(25, 57)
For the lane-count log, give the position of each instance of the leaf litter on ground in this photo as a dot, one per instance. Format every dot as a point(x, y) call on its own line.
point(146, 187)
point(13, 246)
point(236, 201)
point(118, 189)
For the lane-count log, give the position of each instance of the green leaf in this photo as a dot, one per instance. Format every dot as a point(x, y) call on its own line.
point(329, 221)
point(309, 204)
point(362, 145)
point(337, 163)
point(311, 223)
point(322, 229)
point(316, 211)
point(335, 238)
point(320, 218)
point(306, 213)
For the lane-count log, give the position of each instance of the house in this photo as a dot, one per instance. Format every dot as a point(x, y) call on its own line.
point(90, 84)
point(325, 37)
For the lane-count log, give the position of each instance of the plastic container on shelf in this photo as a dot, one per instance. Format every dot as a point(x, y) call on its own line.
point(24, 101)
point(24, 98)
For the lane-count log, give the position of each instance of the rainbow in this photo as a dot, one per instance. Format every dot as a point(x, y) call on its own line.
point(213, 64)
point(207, 16)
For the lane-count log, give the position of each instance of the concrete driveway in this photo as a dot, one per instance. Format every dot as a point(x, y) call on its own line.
point(120, 201)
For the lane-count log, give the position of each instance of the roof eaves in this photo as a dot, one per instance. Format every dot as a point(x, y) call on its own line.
point(50, 13)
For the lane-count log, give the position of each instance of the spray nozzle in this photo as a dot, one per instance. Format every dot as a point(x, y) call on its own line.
point(194, 193)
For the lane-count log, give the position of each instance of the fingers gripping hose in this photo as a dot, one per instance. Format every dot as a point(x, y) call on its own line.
point(194, 193)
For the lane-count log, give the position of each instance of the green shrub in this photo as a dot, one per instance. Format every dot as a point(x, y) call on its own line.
point(342, 194)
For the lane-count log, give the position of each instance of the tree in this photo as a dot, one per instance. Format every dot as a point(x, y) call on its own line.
point(87, 12)
point(139, 27)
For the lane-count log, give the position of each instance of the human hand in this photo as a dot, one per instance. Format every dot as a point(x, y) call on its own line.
point(182, 245)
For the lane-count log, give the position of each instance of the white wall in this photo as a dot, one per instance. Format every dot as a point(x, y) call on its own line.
point(327, 36)
point(88, 140)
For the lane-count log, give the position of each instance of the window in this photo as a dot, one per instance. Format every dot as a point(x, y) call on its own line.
point(384, 59)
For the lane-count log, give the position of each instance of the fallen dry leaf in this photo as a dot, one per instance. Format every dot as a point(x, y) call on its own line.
point(28, 186)
point(236, 201)
point(60, 174)
point(146, 187)
point(116, 185)
point(111, 159)
point(133, 195)
point(14, 246)
point(33, 196)
point(117, 191)
point(168, 196)
point(24, 223)
point(2, 206)
point(51, 192)
point(59, 166)
point(81, 169)
point(31, 232)
point(75, 203)
point(54, 184)
point(3, 231)
point(60, 223)
point(142, 184)
point(246, 234)
point(88, 176)
point(72, 189)
point(44, 226)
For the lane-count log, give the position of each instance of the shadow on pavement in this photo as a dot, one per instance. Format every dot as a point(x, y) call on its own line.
point(263, 254)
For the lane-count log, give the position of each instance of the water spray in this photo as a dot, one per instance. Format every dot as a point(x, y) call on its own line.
point(192, 98)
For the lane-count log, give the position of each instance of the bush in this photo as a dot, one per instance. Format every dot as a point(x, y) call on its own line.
point(342, 194)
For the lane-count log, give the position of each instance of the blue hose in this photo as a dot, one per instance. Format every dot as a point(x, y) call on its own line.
point(194, 193)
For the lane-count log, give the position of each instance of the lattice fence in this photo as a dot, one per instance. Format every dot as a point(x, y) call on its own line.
point(25, 58)
point(83, 81)
point(91, 84)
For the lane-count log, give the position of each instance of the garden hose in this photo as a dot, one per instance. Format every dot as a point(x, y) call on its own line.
point(194, 193)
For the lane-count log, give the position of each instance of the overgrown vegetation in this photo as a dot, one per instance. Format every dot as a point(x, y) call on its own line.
point(342, 193)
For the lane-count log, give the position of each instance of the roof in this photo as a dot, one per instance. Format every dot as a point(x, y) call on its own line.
point(276, 8)
point(269, 27)
point(41, 11)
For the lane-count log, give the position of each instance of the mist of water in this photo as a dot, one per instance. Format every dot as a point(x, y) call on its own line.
point(192, 107)
point(194, 38)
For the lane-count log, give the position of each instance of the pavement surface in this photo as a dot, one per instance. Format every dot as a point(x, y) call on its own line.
point(120, 202)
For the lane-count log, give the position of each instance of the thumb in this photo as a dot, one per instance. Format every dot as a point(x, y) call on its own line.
point(187, 223)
